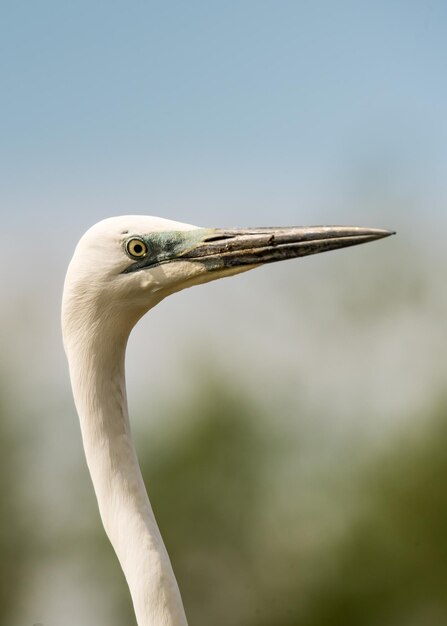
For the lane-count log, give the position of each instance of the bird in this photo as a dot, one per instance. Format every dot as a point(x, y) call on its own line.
point(121, 268)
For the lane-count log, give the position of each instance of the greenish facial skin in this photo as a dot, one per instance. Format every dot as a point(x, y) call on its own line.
point(167, 246)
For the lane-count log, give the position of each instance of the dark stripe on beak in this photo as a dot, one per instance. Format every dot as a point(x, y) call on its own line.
point(255, 246)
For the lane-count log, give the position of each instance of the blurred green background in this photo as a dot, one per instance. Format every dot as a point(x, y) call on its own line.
point(290, 422)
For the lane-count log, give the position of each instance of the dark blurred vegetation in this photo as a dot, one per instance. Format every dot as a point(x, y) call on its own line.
point(208, 491)
point(209, 472)
point(392, 566)
point(15, 537)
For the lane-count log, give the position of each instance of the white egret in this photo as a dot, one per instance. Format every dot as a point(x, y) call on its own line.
point(121, 268)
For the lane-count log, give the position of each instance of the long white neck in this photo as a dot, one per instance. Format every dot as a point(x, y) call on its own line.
point(97, 375)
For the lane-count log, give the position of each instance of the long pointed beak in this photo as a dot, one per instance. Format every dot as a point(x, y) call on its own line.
point(257, 246)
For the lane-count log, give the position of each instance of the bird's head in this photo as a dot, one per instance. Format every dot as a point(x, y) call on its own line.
point(123, 266)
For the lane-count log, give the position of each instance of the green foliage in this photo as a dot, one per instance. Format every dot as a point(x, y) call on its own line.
point(210, 475)
point(205, 489)
point(14, 528)
point(392, 567)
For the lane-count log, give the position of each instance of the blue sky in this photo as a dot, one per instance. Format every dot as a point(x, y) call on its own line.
point(220, 113)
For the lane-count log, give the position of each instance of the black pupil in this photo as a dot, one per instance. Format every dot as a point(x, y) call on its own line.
point(138, 248)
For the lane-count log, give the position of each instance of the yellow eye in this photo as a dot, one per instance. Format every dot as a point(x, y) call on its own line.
point(136, 248)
